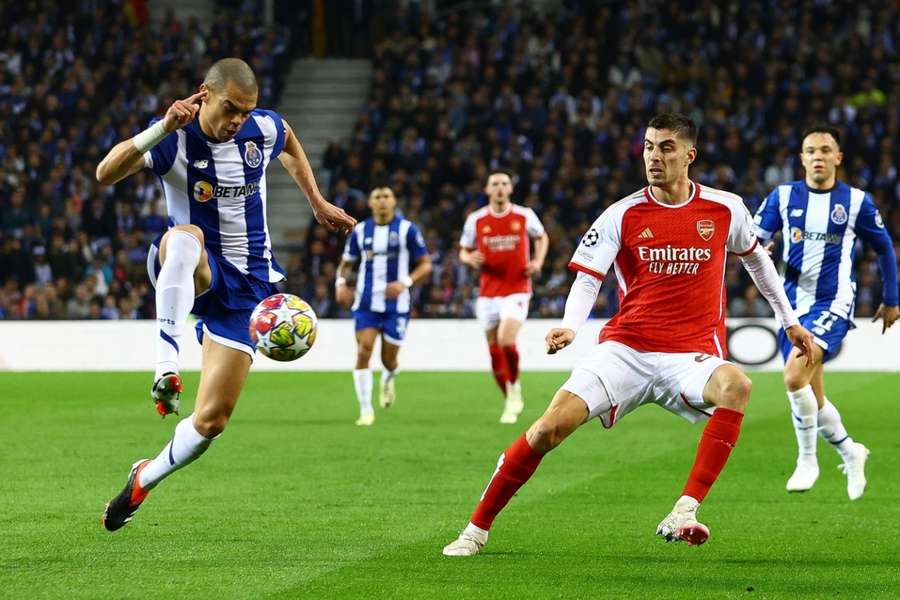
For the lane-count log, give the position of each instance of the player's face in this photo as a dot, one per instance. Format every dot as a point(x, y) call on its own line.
point(820, 156)
point(382, 202)
point(499, 186)
point(228, 109)
point(667, 156)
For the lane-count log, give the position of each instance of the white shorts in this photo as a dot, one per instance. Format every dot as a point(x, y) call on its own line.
point(490, 311)
point(629, 378)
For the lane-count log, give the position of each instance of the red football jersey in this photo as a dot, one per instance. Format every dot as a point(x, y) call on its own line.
point(670, 265)
point(504, 239)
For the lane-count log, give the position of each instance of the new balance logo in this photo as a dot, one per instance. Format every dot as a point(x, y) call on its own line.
point(201, 164)
point(646, 234)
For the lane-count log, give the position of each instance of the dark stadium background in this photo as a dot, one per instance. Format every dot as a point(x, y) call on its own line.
point(556, 91)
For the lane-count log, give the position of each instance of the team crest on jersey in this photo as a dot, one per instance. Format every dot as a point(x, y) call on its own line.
point(252, 155)
point(203, 191)
point(515, 226)
point(706, 228)
point(394, 238)
point(838, 214)
point(486, 229)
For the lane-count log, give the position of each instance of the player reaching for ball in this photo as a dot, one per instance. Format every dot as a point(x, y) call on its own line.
point(211, 151)
point(668, 243)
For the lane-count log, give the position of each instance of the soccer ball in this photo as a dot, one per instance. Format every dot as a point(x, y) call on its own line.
point(283, 327)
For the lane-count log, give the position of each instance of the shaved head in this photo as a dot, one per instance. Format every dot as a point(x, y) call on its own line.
point(231, 70)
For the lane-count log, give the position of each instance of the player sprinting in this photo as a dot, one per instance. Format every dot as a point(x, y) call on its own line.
point(668, 243)
point(385, 245)
point(211, 151)
point(497, 240)
point(820, 219)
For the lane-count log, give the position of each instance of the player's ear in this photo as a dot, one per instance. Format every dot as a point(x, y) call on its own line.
point(691, 155)
point(839, 158)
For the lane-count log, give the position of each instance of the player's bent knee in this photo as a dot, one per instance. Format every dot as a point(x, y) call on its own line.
point(190, 229)
point(209, 426)
point(736, 390)
point(794, 381)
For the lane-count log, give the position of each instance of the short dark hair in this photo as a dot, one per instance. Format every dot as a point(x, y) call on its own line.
point(822, 128)
point(681, 124)
point(231, 70)
point(502, 171)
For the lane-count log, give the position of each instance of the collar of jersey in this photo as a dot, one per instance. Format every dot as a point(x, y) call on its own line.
point(195, 127)
point(695, 191)
point(499, 214)
point(815, 191)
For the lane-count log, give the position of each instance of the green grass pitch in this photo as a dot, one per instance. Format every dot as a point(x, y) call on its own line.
point(294, 501)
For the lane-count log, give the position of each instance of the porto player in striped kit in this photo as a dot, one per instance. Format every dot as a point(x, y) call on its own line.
point(820, 219)
point(496, 239)
point(668, 244)
point(210, 151)
point(386, 246)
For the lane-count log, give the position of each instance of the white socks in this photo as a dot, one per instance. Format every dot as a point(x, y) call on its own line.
point(186, 445)
point(362, 382)
point(832, 430)
point(387, 375)
point(174, 297)
point(804, 409)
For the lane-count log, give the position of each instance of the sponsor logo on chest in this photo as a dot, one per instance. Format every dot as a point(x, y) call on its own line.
point(673, 260)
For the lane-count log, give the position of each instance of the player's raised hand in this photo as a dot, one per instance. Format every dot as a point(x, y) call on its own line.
point(803, 340)
point(558, 338)
point(332, 217)
point(888, 315)
point(183, 111)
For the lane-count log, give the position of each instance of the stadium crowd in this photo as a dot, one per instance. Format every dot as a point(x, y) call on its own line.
point(74, 79)
point(560, 100)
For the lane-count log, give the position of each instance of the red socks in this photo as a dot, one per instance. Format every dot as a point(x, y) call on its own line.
point(719, 437)
point(498, 364)
point(514, 468)
point(512, 362)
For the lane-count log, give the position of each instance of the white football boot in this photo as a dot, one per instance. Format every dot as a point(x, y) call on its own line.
point(854, 468)
point(682, 525)
point(467, 544)
point(365, 420)
point(514, 403)
point(386, 393)
point(805, 474)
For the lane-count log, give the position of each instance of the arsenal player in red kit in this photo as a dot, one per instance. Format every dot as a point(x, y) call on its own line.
point(497, 240)
point(668, 243)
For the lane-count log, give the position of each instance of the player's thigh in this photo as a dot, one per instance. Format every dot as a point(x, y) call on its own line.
point(487, 312)
point(203, 273)
point(680, 383)
point(566, 413)
point(612, 380)
point(728, 386)
point(389, 352)
point(365, 340)
point(222, 377)
point(797, 373)
point(513, 313)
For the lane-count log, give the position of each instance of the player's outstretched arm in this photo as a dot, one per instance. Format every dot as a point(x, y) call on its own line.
point(581, 300)
point(293, 158)
point(767, 281)
point(127, 158)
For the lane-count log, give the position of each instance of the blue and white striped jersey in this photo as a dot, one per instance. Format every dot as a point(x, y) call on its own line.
point(221, 188)
point(819, 231)
point(386, 252)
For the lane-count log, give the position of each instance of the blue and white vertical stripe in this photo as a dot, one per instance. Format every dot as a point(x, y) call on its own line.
point(386, 252)
point(221, 188)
